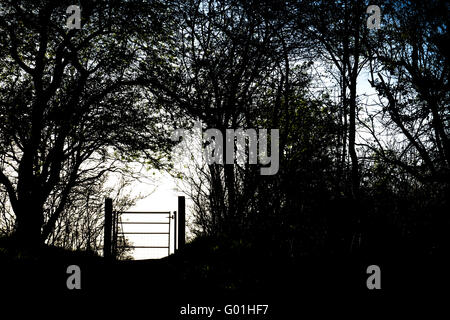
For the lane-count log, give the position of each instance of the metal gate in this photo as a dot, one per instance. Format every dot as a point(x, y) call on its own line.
point(114, 228)
point(118, 229)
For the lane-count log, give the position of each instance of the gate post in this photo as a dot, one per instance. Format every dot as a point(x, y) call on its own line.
point(107, 230)
point(114, 235)
point(181, 222)
point(175, 231)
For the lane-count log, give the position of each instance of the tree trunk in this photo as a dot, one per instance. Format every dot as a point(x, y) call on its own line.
point(353, 73)
point(231, 194)
point(351, 141)
point(29, 209)
point(29, 221)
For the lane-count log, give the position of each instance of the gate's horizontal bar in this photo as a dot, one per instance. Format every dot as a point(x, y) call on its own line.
point(143, 232)
point(144, 212)
point(129, 222)
point(145, 247)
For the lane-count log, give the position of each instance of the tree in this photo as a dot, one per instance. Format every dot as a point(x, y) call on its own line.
point(409, 70)
point(258, 60)
point(339, 29)
point(73, 101)
point(228, 53)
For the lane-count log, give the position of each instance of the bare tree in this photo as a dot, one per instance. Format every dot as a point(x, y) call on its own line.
point(409, 70)
point(71, 100)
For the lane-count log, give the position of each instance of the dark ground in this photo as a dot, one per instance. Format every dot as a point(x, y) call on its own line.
point(205, 276)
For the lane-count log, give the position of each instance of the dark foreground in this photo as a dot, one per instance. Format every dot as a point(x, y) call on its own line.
point(257, 284)
point(160, 289)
